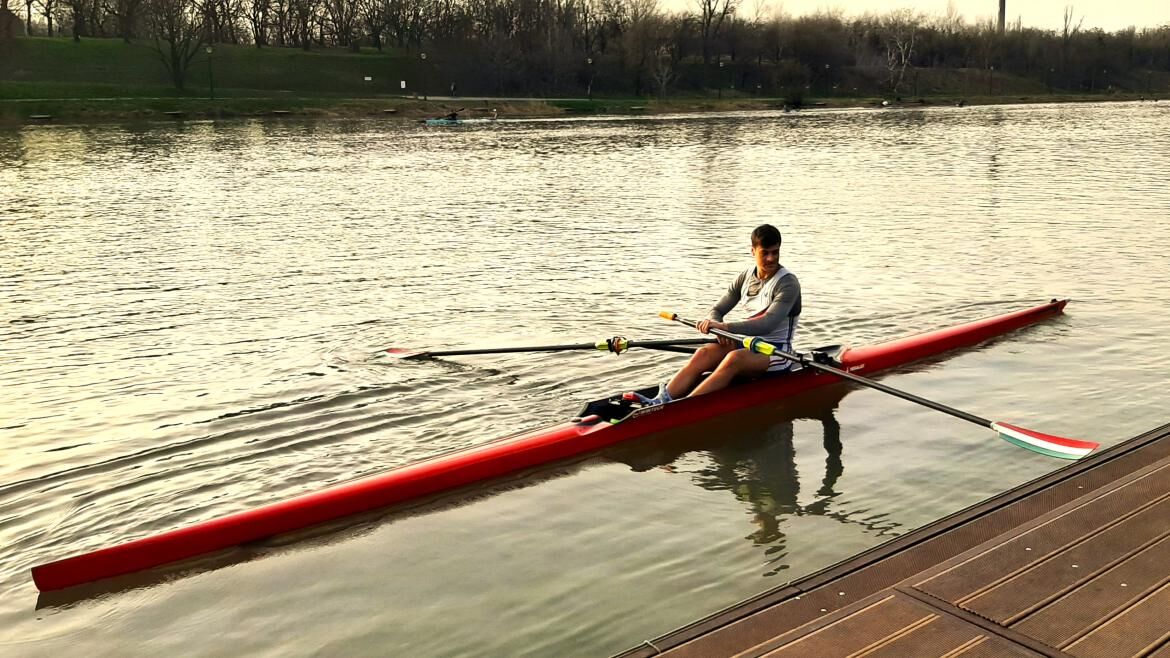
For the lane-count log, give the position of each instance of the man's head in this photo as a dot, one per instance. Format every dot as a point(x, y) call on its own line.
point(766, 249)
point(766, 235)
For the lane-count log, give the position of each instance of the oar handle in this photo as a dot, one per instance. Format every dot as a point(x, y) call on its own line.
point(753, 343)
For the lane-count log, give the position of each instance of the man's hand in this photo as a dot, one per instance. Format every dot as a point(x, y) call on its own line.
point(705, 326)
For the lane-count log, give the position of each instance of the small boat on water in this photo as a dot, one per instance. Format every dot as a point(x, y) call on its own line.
point(453, 119)
point(600, 423)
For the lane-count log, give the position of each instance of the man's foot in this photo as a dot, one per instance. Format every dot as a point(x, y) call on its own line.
point(662, 398)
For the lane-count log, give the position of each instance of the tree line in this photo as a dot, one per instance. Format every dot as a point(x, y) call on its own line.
point(629, 46)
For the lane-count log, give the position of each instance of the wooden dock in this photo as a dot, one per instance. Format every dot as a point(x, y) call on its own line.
point(1076, 563)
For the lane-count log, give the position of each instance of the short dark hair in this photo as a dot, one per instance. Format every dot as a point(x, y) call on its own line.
point(766, 235)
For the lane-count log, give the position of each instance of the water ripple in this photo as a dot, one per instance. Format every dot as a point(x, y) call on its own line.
point(190, 317)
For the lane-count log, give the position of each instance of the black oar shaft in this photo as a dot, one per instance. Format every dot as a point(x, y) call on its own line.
point(567, 347)
point(864, 381)
point(957, 413)
point(506, 350)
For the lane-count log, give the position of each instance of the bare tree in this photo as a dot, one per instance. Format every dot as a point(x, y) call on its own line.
point(48, 10)
point(712, 14)
point(343, 18)
point(900, 32)
point(639, 42)
point(281, 22)
point(776, 35)
point(79, 12)
point(126, 14)
point(178, 34)
point(662, 69)
point(373, 19)
point(950, 23)
point(304, 20)
point(221, 17)
point(28, 16)
point(258, 16)
point(1068, 32)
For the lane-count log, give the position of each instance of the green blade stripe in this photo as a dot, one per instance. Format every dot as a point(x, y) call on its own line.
point(1042, 449)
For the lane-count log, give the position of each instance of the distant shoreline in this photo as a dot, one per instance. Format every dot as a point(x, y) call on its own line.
point(130, 109)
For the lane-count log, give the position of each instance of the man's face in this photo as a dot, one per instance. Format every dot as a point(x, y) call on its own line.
point(767, 259)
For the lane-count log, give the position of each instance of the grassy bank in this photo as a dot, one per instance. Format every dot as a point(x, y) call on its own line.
point(137, 70)
point(106, 79)
point(156, 109)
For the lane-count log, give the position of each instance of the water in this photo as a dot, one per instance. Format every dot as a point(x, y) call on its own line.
point(191, 313)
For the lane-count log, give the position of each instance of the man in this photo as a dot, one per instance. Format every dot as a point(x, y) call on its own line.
point(770, 295)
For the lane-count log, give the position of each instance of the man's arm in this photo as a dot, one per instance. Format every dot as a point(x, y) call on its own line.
point(787, 292)
point(728, 300)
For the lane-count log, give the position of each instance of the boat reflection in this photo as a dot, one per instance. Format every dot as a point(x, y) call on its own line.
point(754, 457)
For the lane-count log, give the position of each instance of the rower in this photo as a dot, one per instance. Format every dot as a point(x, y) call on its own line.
point(770, 295)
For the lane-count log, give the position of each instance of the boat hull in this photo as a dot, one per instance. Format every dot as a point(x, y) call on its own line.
point(504, 456)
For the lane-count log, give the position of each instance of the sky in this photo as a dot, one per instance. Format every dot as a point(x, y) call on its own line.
point(1109, 15)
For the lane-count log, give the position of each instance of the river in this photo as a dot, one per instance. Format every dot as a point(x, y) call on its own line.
point(191, 316)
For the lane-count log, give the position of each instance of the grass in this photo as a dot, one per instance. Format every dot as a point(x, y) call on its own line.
point(105, 64)
point(107, 79)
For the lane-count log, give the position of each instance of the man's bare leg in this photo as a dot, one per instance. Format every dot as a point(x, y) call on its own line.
point(707, 357)
point(739, 362)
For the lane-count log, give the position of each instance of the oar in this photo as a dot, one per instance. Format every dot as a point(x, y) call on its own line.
point(1045, 444)
point(617, 345)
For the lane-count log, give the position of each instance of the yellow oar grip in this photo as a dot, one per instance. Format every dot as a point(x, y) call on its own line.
point(601, 345)
point(756, 345)
point(667, 315)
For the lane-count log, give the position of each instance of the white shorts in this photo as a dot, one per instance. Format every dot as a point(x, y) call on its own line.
point(779, 364)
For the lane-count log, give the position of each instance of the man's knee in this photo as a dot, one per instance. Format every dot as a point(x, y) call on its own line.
point(743, 362)
point(708, 356)
point(710, 349)
point(738, 359)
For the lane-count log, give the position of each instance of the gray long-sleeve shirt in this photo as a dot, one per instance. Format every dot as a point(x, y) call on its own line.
point(773, 306)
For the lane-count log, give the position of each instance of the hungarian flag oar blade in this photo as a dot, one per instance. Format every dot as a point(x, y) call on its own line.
point(617, 345)
point(1045, 444)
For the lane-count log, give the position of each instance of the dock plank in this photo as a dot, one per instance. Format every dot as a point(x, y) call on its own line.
point(890, 626)
point(1084, 608)
point(1015, 555)
point(1136, 631)
point(1081, 562)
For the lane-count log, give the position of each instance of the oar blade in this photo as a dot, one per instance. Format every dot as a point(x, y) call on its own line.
point(1045, 444)
point(403, 353)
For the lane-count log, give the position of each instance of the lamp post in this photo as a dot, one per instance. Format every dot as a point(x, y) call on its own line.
point(990, 80)
point(1048, 79)
point(210, 72)
point(828, 80)
point(719, 82)
point(423, 74)
point(589, 88)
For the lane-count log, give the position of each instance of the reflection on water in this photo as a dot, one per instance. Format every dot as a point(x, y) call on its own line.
point(189, 314)
point(761, 471)
point(754, 458)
